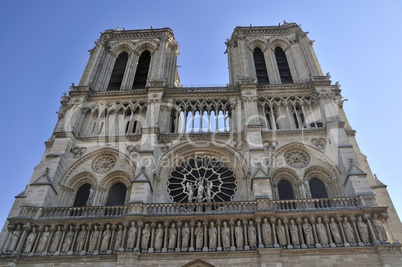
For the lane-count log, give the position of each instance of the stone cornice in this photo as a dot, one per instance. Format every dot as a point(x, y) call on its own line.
point(135, 34)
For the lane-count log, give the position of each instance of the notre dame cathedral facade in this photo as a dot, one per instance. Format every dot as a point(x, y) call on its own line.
point(141, 171)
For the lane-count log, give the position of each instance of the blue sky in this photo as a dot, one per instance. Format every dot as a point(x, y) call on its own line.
point(44, 48)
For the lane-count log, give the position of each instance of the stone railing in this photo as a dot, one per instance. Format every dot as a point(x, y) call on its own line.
point(262, 204)
point(202, 89)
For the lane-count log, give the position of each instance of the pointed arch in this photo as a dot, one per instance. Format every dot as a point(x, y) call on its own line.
point(260, 66)
point(285, 183)
point(119, 68)
point(141, 74)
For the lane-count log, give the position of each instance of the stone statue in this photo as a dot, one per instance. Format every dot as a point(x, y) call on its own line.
point(145, 237)
point(335, 232)
point(382, 235)
point(209, 191)
point(200, 189)
point(225, 232)
point(213, 234)
point(90, 197)
point(119, 238)
point(172, 237)
point(15, 236)
point(81, 239)
point(294, 233)
point(308, 233)
point(132, 236)
point(56, 240)
point(347, 228)
point(252, 235)
point(68, 240)
point(94, 239)
point(190, 192)
point(363, 231)
point(185, 233)
point(239, 235)
point(29, 242)
point(198, 236)
point(266, 232)
point(280, 232)
point(105, 239)
point(321, 232)
point(158, 237)
point(44, 238)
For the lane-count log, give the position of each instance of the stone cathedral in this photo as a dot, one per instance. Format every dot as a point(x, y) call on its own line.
point(142, 171)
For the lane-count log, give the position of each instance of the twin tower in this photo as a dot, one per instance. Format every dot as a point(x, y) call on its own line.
point(261, 172)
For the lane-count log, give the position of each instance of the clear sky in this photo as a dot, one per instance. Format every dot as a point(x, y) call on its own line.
point(44, 48)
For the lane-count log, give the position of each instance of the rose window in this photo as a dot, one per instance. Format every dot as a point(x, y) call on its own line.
point(103, 164)
point(297, 159)
point(202, 180)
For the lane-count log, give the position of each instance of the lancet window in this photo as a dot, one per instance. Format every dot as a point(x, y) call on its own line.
point(317, 188)
point(141, 75)
point(285, 190)
point(118, 72)
point(82, 195)
point(283, 66)
point(260, 66)
point(194, 116)
point(117, 195)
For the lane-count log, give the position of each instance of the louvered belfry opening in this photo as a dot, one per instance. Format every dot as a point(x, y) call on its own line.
point(118, 72)
point(260, 66)
point(141, 74)
point(283, 66)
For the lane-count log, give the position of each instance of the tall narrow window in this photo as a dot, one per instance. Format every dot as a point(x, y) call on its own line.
point(82, 195)
point(117, 195)
point(118, 72)
point(283, 66)
point(317, 188)
point(141, 74)
point(260, 67)
point(285, 190)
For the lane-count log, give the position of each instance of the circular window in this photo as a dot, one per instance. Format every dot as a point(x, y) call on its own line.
point(297, 159)
point(202, 180)
point(103, 164)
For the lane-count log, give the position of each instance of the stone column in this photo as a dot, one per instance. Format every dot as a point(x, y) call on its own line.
point(123, 242)
point(316, 241)
point(285, 223)
point(178, 247)
point(246, 246)
point(232, 243)
point(139, 234)
point(25, 228)
point(165, 237)
point(356, 233)
point(374, 239)
point(218, 226)
point(331, 242)
point(151, 247)
point(205, 248)
point(273, 226)
point(191, 245)
point(258, 222)
point(339, 220)
point(301, 236)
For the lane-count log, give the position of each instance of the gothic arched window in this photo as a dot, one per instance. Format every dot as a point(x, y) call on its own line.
point(260, 67)
point(117, 195)
point(317, 188)
point(283, 66)
point(82, 195)
point(141, 75)
point(118, 72)
point(285, 190)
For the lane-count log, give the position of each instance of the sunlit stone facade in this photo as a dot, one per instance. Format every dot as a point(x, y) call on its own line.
point(141, 171)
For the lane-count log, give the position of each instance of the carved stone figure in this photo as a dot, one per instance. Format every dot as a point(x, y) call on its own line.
point(308, 233)
point(212, 234)
point(321, 232)
point(94, 239)
point(190, 192)
point(81, 239)
point(363, 231)
point(132, 236)
point(105, 239)
point(198, 236)
point(119, 238)
point(381, 234)
point(90, 197)
point(294, 233)
point(266, 233)
point(280, 232)
point(44, 239)
point(56, 240)
point(225, 232)
point(200, 190)
point(158, 237)
point(145, 237)
point(239, 235)
point(185, 233)
point(252, 235)
point(172, 237)
point(209, 191)
point(68, 240)
point(349, 233)
point(15, 236)
point(335, 231)
point(29, 242)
